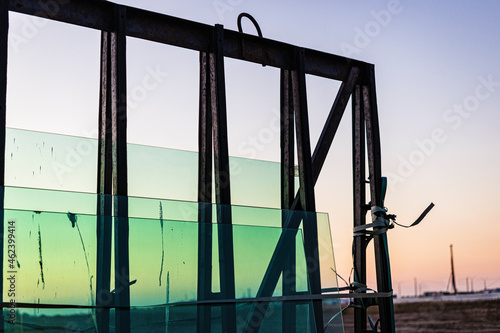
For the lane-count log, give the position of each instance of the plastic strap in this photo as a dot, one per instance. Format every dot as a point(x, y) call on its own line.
point(336, 315)
point(381, 222)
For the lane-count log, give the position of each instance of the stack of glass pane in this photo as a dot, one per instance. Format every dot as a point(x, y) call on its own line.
point(50, 199)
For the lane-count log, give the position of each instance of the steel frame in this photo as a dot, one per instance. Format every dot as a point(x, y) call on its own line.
point(214, 44)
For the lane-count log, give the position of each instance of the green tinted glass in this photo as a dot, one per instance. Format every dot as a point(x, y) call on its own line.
point(50, 200)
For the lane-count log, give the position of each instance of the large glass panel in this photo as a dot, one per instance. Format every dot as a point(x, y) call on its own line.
point(38, 200)
point(62, 162)
point(55, 261)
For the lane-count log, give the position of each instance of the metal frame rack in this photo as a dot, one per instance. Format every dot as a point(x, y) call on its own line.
point(214, 43)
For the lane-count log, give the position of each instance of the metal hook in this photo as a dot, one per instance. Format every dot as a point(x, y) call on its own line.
point(250, 17)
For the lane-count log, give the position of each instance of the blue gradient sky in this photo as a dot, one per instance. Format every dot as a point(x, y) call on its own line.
point(431, 58)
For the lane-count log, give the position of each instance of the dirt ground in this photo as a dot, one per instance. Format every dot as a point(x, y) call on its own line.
point(424, 317)
point(442, 317)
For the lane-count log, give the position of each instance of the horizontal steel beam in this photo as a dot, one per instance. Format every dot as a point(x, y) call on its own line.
point(174, 31)
point(299, 297)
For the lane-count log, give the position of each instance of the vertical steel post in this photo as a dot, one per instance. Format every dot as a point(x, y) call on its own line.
point(289, 312)
point(276, 264)
point(222, 181)
point(4, 32)
point(204, 313)
point(383, 270)
point(306, 189)
point(119, 136)
point(359, 198)
point(104, 190)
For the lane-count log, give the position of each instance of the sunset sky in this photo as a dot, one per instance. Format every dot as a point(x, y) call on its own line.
point(438, 88)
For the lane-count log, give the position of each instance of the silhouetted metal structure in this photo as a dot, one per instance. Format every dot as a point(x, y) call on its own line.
point(214, 43)
point(452, 275)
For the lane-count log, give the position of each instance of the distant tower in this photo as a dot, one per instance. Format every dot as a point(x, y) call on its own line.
point(453, 272)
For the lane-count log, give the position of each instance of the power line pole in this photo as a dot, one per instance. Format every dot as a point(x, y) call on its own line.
point(453, 271)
